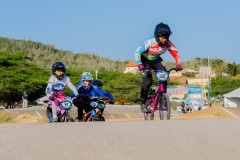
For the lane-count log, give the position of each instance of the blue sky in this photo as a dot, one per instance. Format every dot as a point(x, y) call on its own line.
point(115, 28)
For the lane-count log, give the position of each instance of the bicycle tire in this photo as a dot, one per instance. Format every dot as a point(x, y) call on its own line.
point(149, 115)
point(69, 119)
point(146, 116)
point(102, 119)
point(164, 107)
point(152, 116)
point(49, 115)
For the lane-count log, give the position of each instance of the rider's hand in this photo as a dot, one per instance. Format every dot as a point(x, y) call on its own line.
point(111, 102)
point(75, 101)
point(141, 67)
point(52, 98)
point(78, 97)
point(84, 97)
point(179, 67)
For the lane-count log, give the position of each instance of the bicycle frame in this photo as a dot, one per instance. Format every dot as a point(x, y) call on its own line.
point(93, 112)
point(155, 98)
point(61, 113)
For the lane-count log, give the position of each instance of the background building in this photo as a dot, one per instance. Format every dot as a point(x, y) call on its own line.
point(131, 67)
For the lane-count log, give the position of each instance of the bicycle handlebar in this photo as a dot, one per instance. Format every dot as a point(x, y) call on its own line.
point(99, 99)
point(171, 69)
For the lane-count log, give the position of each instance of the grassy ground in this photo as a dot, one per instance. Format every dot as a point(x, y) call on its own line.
point(5, 117)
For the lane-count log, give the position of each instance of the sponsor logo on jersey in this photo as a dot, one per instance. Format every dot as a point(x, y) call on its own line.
point(155, 49)
point(58, 86)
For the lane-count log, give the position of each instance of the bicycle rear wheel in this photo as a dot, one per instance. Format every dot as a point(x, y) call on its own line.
point(146, 116)
point(149, 115)
point(164, 107)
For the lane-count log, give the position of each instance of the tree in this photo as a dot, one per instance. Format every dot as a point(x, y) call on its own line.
point(218, 65)
point(232, 69)
point(223, 85)
point(18, 75)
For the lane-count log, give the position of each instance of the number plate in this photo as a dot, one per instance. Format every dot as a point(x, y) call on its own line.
point(162, 76)
point(66, 104)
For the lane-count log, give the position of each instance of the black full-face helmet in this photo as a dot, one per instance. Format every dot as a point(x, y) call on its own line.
point(58, 66)
point(97, 83)
point(162, 30)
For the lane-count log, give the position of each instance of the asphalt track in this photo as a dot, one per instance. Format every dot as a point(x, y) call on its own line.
point(127, 139)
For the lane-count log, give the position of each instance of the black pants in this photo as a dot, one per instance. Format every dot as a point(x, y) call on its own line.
point(147, 81)
point(83, 106)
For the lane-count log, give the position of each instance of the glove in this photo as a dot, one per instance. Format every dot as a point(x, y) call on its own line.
point(86, 97)
point(179, 67)
point(80, 99)
point(111, 102)
point(77, 97)
point(52, 98)
point(83, 97)
point(141, 67)
point(75, 101)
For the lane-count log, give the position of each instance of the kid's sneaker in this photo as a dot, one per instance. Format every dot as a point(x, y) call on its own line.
point(55, 120)
point(143, 108)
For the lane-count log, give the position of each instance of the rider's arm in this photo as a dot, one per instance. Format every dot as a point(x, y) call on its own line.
point(49, 87)
point(72, 87)
point(98, 91)
point(109, 95)
point(172, 49)
point(141, 49)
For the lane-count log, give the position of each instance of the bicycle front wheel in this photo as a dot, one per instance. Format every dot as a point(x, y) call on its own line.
point(62, 118)
point(164, 107)
point(69, 118)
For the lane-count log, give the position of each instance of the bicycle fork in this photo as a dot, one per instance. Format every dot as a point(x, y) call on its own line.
point(157, 96)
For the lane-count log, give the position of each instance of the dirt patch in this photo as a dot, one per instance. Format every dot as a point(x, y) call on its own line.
point(26, 118)
point(235, 111)
point(210, 113)
point(31, 117)
point(21, 116)
point(4, 117)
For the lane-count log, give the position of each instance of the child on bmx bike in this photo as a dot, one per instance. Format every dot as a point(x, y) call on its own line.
point(86, 92)
point(148, 58)
point(56, 86)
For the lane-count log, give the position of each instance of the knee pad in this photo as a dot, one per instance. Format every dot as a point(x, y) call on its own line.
point(146, 74)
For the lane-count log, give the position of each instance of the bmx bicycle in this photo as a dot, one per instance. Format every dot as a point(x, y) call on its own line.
point(158, 99)
point(94, 115)
point(62, 110)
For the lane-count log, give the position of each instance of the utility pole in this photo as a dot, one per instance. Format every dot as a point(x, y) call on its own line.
point(208, 61)
point(208, 75)
point(96, 73)
point(209, 88)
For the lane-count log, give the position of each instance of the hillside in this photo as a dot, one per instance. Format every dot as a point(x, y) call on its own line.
point(26, 64)
point(45, 54)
